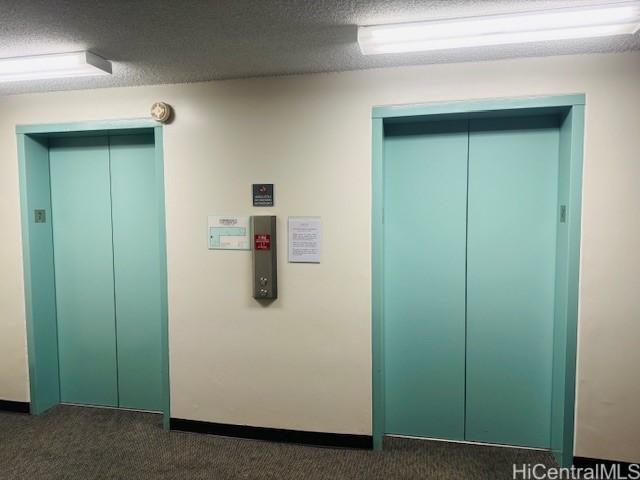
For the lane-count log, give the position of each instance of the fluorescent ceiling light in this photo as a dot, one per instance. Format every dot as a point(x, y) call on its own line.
point(621, 18)
point(59, 65)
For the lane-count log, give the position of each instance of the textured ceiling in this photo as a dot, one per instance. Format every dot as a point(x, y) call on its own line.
point(174, 41)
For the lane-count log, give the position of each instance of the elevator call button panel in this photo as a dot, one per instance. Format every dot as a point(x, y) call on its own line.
point(265, 277)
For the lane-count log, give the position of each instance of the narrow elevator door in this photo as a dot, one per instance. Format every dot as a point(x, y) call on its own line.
point(513, 197)
point(136, 250)
point(425, 181)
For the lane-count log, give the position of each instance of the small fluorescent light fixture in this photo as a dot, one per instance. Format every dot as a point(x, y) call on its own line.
point(59, 65)
point(621, 18)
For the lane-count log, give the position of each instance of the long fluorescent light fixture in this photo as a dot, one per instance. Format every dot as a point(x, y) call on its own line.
point(621, 18)
point(59, 65)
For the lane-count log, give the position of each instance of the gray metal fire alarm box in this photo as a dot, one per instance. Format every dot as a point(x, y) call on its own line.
point(265, 275)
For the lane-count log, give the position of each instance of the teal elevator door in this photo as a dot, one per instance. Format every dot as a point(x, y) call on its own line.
point(513, 195)
point(83, 258)
point(425, 182)
point(470, 218)
point(106, 231)
point(136, 248)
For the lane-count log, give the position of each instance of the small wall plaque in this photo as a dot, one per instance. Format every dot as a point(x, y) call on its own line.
point(40, 216)
point(263, 194)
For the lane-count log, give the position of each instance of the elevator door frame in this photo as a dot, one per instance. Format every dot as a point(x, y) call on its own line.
point(38, 251)
point(570, 111)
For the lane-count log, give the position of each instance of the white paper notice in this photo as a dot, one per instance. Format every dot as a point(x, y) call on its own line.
point(228, 232)
point(305, 235)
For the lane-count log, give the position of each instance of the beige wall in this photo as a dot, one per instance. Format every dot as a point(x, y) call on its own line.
point(305, 362)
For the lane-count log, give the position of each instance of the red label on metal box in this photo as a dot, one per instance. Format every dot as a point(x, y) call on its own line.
point(262, 241)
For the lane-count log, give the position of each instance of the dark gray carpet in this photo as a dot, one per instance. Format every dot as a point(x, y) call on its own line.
point(85, 443)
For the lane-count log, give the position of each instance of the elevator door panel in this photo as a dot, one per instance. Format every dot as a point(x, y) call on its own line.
point(425, 181)
point(81, 220)
point(136, 234)
point(513, 166)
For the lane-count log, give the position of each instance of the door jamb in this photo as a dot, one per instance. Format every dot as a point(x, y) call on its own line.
point(572, 105)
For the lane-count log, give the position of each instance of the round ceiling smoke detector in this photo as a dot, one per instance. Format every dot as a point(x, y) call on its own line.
point(161, 112)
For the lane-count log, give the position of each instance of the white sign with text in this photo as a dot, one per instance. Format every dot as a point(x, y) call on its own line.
point(305, 239)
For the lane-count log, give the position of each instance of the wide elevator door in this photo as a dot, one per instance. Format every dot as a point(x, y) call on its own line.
point(106, 231)
point(425, 189)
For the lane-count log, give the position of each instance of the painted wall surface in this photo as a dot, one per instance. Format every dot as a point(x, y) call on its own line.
point(304, 362)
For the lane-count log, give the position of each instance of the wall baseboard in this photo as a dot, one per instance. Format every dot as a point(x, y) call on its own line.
point(13, 406)
point(318, 439)
point(585, 462)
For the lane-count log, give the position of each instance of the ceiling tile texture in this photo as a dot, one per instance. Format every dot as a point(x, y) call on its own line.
point(176, 41)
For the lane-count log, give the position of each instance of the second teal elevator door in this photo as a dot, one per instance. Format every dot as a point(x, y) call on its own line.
point(136, 252)
point(106, 230)
point(513, 214)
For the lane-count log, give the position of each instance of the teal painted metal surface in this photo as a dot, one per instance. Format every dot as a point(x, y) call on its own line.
point(39, 274)
point(377, 276)
point(162, 252)
point(573, 261)
point(39, 359)
point(137, 271)
point(81, 207)
point(101, 126)
point(513, 181)
point(476, 106)
point(560, 327)
point(567, 103)
point(425, 183)
point(566, 295)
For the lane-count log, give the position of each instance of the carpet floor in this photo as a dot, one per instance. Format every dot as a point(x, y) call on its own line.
point(88, 443)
